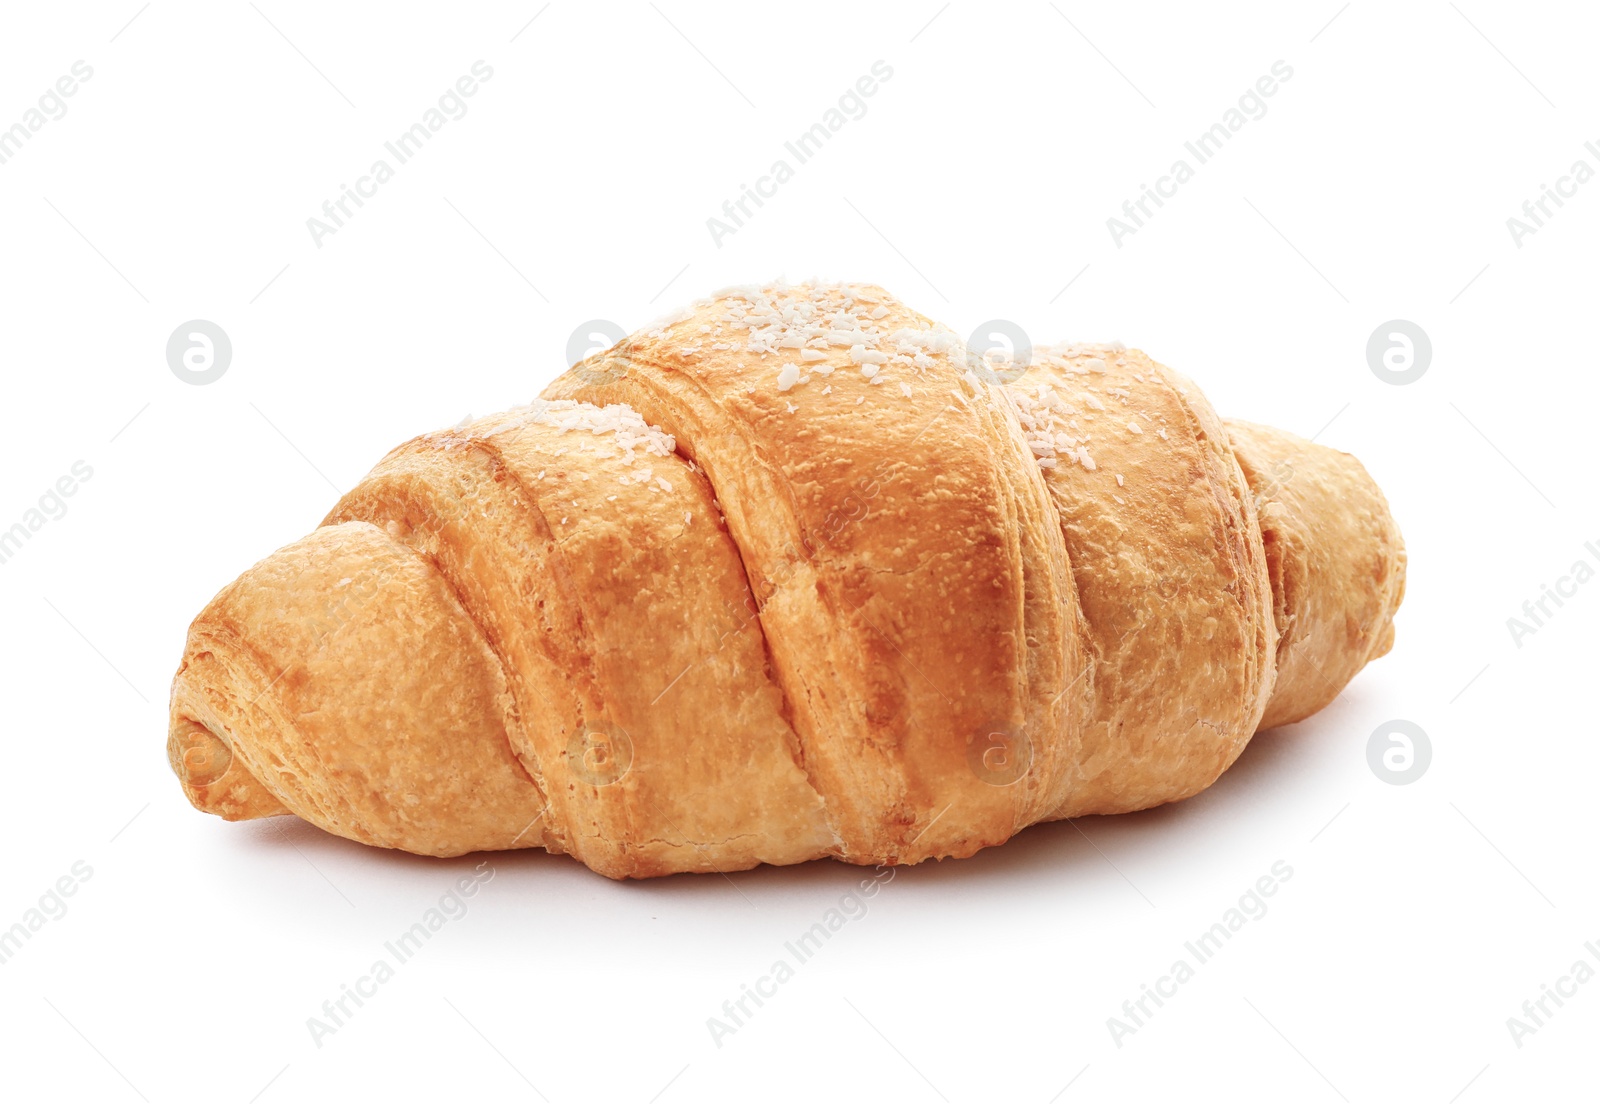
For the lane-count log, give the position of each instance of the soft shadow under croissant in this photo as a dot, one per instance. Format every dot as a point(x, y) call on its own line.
point(791, 574)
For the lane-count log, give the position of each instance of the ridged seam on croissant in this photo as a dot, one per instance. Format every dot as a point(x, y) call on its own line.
point(790, 574)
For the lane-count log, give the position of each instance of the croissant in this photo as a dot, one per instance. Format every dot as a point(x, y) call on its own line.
point(790, 574)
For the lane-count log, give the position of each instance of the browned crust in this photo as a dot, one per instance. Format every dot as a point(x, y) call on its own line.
point(885, 541)
point(877, 606)
point(1170, 571)
point(1338, 564)
point(347, 681)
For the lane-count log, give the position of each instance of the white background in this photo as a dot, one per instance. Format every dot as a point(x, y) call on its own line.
point(177, 186)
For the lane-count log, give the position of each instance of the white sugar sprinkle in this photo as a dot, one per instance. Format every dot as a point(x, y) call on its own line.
point(627, 427)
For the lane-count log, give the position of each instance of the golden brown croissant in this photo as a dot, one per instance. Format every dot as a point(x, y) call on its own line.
point(792, 574)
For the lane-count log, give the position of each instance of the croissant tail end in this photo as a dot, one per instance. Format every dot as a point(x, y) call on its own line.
point(213, 779)
point(1337, 562)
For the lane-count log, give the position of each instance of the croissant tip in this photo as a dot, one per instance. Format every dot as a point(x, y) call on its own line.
point(214, 781)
